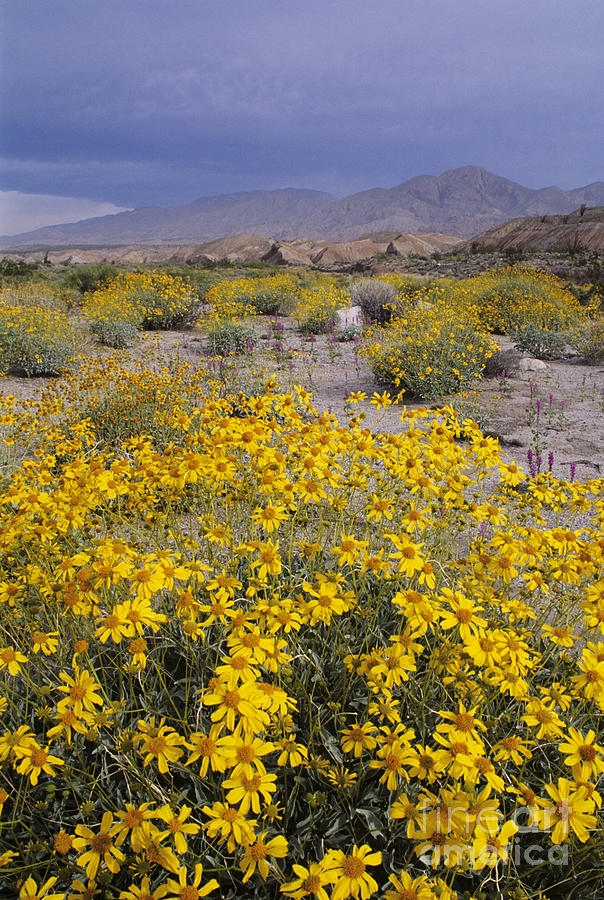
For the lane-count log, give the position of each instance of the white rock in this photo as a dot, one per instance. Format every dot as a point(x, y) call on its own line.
point(350, 315)
point(528, 364)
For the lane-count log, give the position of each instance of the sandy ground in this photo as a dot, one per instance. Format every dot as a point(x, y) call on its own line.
point(569, 423)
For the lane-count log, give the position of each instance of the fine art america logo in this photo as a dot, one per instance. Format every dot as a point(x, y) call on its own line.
point(492, 841)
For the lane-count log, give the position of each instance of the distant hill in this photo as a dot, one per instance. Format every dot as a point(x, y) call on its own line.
point(254, 248)
point(579, 230)
point(459, 202)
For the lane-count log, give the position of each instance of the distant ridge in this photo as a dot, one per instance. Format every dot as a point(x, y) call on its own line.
point(582, 229)
point(460, 202)
point(253, 248)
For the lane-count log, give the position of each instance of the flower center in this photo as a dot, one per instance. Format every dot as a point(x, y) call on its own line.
point(157, 745)
point(101, 843)
point(258, 851)
point(133, 819)
point(39, 758)
point(231, 699)
point(245, 754)
point(189, 893)
point(353, 867)
point(464, 722)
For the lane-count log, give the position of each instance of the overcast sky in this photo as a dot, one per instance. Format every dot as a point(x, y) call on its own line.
point(143, 102)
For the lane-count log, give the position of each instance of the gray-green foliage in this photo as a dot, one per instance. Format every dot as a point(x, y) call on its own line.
point(33, 354)
point(540, 342)
point(589, 342)
point(229, 337)
point(268, 301)
point(349, 333)
point(115, 333)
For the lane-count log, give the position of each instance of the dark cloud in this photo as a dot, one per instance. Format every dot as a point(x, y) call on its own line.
point(151, 101)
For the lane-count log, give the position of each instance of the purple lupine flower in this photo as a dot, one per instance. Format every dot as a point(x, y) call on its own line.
point(529, 456)
point(550, 461)
point(573, 469)
point(538, 461)
point(551, 400)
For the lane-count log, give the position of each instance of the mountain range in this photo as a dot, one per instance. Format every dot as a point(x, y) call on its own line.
point(460, 202)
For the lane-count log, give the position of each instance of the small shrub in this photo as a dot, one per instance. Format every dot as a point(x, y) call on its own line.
point(16, 268)
point(116, 333)
point(158, 300)
point(268, 295)
point(87, 279)
point(427, 354)
point(35, 340)
point(275, 294)
point(349, 333)
point(316, 309)
point(510, 298)
point(225, 338)
point(539, 342)
point(375, 298)
point(589, 342)
point(115, 321)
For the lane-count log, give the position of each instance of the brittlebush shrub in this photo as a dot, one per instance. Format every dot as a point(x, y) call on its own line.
point(540, 342)
point(36, 336)
point(280, 654)
point(268, 295)
point(114, 320)
point(589, 341)
point(225, 338)
point(427, 353)
point(154, 299)
point(274, 294)
point(317, 307)
point(514, 297)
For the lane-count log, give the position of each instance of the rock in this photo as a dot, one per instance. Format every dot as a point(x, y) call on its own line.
point(528, 364)
point(282, 254)
point(501, 361)
point(350, 315)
